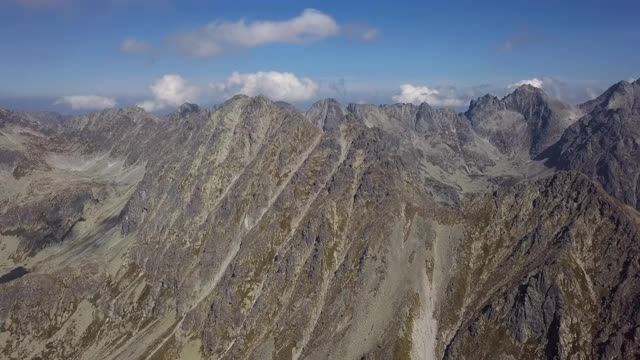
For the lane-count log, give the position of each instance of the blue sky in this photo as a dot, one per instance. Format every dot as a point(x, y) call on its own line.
point(161, 52)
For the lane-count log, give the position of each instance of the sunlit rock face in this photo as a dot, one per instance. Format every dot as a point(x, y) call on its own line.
point(253, 230)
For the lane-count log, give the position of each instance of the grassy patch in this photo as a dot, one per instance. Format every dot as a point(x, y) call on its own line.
point(404, 344)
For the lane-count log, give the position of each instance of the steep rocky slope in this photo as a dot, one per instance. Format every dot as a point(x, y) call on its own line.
point(605, 144)
point(253, 231)
point(549, 270)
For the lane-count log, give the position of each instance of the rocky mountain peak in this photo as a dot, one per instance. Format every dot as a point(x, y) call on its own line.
point(487, 104)
point(128, 110)
point(622, 95)
point(250, 104)
point(526, 119)
point(388, 116)
point(235, 99)
point(328, 102)
point(327, 114)
point(528, 90)
point(187, 108)
point(487, 101)
point(429, 119)
point(527, 99)
point(605, 142)
point(546, 116)
point(132, 115)
point(425, 108)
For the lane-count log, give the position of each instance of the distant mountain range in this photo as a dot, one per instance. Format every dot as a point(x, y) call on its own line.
point(255, 231)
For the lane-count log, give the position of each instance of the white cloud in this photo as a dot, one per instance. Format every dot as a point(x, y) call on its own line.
point(535, 82)
point(86, 102)
point(219, 36)
point(134, 46)
point(173, 90)
point(170, 90)
point(362, 33)
point(418, 94)
point(150, 105)
point(574, 92)
point(275, 85)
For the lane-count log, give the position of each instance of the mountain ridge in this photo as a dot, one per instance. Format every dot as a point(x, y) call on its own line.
point(254, 230)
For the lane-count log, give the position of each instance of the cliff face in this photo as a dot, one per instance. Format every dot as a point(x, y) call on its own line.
point(526, 121)
point(605, 144)
point(550, 271)
point(255, 231)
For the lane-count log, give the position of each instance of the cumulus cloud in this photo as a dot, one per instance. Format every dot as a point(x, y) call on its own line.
point(219, 36)
point(86, 102)
point(135, 46)
point(574, 92)
point(418, 94)
point(278, 86)
point(535, 82)
point(170, 90)
point(173, 90)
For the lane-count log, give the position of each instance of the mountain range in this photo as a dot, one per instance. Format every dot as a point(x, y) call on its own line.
point(253, 230)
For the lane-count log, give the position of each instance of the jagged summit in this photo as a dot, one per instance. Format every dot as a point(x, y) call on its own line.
point(622, 95)
point(326, 102)
point(233, 100)
point(486, 103)
point(112, 117)
point(250, 101)
point(526, 119)
point(527, 98)
point(527, 90)
point(187, 108)
point(327, 114)
point(127, 110)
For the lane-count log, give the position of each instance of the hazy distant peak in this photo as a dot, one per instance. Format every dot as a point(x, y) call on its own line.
point(326, 101)
point(327, 114)
point(187, 108)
